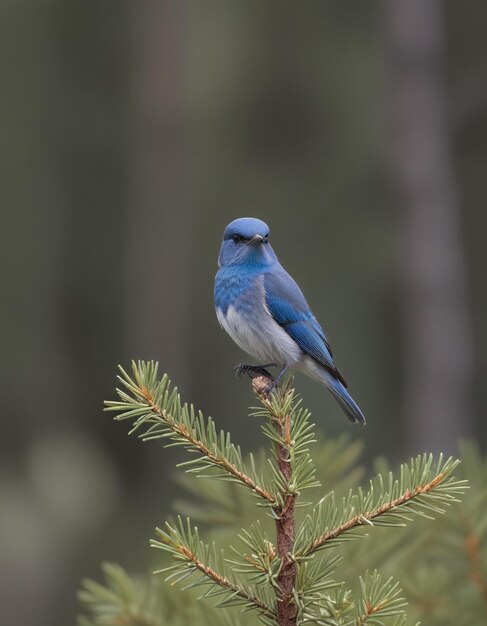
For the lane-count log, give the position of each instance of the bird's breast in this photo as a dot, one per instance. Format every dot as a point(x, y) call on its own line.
point(250, 325)
point(230, 286)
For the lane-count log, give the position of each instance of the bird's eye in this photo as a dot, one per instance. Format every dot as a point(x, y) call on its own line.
point(266, 239)
point(237, 238)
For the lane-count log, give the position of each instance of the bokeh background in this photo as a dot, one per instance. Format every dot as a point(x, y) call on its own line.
point(131, 133)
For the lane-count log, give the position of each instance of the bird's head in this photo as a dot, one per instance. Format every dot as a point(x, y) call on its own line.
point(246, 242)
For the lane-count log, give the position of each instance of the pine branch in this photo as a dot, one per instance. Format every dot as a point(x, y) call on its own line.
point(474, 559)
point(263, 562)
point(423, 489)
point(380, 600)
point(333, 608)
point(314, 581)
point(473, 525)
point(195, 557)
point(157, 409)
point(121, 600)
point(126, 600)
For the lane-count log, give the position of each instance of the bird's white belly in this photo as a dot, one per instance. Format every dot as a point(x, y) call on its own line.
point(261, 337)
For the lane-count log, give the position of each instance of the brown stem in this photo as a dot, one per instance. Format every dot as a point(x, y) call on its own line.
point(369, 610)
point(285, 530)
point(365, 518)
point(286, 521)
point(472, 549)
point(223, 581)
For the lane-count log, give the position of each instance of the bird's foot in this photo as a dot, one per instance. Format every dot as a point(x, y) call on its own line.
point(254, 370)
point(269, 388)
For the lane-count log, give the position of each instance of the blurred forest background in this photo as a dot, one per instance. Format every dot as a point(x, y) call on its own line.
point(132, 133)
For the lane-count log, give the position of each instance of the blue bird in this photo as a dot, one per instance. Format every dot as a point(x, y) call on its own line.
point(264, 311)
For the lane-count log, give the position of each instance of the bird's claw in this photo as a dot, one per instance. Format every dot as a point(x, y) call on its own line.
point(269, 388)
point(253, 370)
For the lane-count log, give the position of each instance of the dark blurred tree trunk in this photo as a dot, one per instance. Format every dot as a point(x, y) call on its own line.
point(435, 316)
point(159, 224)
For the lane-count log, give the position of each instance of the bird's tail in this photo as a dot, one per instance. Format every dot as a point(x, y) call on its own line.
point(336, 388)
point(345, 400)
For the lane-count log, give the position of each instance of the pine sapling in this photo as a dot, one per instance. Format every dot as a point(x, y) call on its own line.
point(285, 577)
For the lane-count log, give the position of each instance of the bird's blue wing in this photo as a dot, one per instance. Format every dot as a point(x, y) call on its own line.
point(288, 306)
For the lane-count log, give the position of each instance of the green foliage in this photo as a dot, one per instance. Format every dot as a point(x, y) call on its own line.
point(297, 442)
point(158, 413)
point(206, 565)
point(139, 601)
point(423, 488)
point(380, 600)
point(243, 567)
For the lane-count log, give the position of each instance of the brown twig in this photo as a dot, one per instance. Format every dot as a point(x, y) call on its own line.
point(223, 581)
point(472, 549)
point(369, 610)
point(285, 517)
point(365, 518)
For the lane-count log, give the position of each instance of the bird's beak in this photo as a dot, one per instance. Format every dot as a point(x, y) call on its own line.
point(257, 239)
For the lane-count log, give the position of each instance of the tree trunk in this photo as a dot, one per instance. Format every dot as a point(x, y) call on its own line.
point(159, 221)
point(436, 321)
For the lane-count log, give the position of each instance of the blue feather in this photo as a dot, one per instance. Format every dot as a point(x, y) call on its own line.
point(287, 305)
point(345, 400)
point(231, 283)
